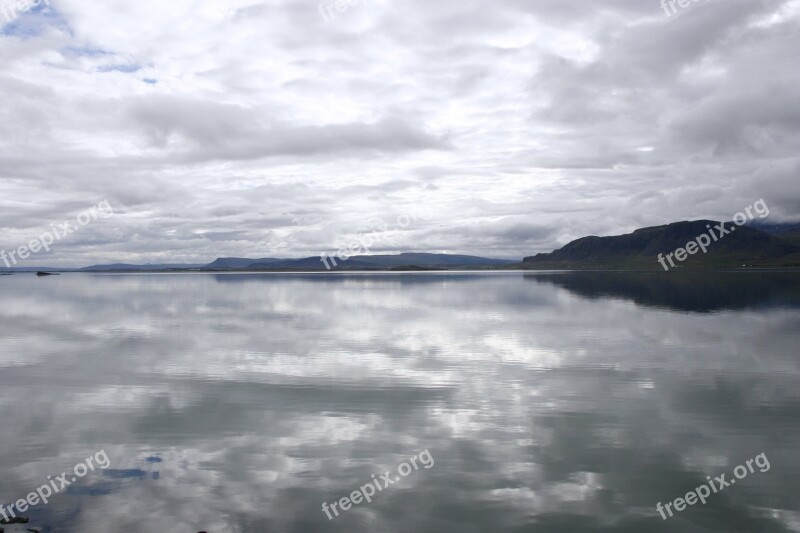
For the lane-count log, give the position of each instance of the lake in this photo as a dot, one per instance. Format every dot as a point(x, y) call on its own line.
point(552, 402)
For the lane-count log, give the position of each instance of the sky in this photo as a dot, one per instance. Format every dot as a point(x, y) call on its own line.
point(289, 128)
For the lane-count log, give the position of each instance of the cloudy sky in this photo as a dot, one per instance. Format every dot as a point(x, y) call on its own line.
point(287, 128)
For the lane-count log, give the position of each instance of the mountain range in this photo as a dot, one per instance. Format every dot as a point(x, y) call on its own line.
point(730, 246)
point(361, 262)
point(756, 245)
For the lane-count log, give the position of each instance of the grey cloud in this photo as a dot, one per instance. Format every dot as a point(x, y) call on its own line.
point(200, 131)
point(272, 132)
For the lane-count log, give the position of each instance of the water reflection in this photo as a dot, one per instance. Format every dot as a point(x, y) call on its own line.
point(239, 403)
point(684, 291)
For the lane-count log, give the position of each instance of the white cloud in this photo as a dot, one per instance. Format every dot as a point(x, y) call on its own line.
point(506, 115)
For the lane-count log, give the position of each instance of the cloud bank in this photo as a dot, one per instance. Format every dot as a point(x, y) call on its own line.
point(247, 128)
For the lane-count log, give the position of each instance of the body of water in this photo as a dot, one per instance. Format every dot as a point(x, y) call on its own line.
point(552, 402)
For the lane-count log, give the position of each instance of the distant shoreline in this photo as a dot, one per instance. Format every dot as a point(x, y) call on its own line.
point(777, 249)
point(417, 270)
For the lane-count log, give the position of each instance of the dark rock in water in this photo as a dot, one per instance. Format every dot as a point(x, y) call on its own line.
point(15, 520)
point(46, 274)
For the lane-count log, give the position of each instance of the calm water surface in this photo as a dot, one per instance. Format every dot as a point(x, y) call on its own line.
point(549, 402)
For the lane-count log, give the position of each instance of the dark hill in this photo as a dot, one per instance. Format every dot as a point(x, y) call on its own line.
point(788, 231)
point(742, 246)
point(431, 260)
point(238, 262)
point(363, 262)
point(128, 267)
point(311, 263)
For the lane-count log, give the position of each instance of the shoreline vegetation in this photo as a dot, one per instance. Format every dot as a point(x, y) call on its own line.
point(757, 247)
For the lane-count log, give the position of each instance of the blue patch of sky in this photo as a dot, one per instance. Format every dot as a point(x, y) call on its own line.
point(85, 51)
point(31, 22)
point(119, 68)
point(122, 474)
